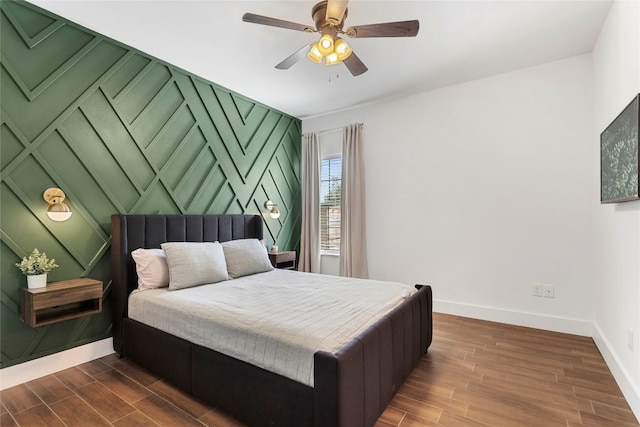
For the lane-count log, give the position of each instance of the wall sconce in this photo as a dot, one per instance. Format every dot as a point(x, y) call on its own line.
point(57, 210)
point(273, 209)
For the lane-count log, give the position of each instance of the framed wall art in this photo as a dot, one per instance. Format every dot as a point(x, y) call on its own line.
point(619, 156)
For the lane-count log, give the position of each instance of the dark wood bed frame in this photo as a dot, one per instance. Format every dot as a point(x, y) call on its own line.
point(351, 387)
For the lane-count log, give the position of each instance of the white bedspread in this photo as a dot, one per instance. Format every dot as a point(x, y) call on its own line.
point(275, 320)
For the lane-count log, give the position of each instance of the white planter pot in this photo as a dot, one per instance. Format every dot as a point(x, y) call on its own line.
point(37, 281)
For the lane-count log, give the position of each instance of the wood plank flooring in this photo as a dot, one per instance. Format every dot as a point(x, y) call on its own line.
point(475, 373)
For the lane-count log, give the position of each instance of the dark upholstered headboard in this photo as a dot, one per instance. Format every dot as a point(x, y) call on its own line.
point(130, 232)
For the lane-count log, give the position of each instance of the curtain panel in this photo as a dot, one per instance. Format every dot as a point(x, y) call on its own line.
point(353, 245)
point(310, 237)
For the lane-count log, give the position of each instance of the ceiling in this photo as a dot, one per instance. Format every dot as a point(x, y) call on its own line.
point(458, 41)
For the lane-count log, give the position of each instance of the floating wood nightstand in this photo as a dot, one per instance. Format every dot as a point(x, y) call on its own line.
point(285, 260)
point(60, 301)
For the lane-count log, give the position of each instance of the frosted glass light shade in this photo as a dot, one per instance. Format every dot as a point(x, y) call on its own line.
point(314, 54)
point(325, 44)
point(342, 49)
point(332, 59)
point(59, 212)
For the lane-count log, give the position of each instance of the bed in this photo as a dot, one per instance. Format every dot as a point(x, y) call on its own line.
point(351, 386)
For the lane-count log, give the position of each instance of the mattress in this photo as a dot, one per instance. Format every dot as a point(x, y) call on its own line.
point(275, 320)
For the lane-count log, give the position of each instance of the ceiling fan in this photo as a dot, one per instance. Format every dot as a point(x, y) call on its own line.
point(329, 16)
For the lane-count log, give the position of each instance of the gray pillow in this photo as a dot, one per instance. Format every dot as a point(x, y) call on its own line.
point(193, 264)
point(245, 256)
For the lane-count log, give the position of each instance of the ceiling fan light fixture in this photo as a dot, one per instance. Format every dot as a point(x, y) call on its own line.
point(342, 49)
point(314, 54)
point(329, 17)
point(325, 44)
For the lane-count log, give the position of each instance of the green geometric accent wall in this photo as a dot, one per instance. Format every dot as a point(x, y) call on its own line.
point(119, 132)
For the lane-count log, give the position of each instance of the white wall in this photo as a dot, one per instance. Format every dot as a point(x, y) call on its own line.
point(483, 189)
point(616, 310)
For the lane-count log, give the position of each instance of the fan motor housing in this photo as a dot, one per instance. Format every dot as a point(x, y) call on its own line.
point(319, 15)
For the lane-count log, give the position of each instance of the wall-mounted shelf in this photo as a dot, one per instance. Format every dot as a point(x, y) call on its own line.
point(285, 260)
point(60, 301)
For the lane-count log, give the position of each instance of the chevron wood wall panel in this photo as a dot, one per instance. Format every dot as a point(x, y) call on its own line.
point(120, 132)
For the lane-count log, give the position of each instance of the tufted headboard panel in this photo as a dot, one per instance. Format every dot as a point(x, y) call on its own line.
point(130, 232)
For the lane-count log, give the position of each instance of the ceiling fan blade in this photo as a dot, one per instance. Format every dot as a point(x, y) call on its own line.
point(297, 56)
point(355, 65)
point(387, 29)
point(273, 22)
point(335, 11)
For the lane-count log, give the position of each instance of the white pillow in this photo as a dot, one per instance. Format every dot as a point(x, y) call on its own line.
point(152, 268)
point(245, 256)
point(194, 263)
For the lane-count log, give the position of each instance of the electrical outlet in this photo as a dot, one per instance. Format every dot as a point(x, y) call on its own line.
point(536, 290)
point(630, 340)
point(548, 291)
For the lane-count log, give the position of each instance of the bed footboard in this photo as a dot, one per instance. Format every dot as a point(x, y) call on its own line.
point(354, 386)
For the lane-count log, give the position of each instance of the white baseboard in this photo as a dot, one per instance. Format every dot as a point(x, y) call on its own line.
point(28, 371)
point(630, 390)
point(521, 318)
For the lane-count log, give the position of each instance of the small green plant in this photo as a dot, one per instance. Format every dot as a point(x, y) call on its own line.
point(36, 263)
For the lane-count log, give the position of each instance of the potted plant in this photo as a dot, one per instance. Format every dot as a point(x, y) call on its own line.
point(35, 267)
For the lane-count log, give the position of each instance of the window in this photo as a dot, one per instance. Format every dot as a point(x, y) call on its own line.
point(330, 194)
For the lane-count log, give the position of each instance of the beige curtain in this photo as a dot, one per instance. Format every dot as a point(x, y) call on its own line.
point(310, 237)
point(353, 245)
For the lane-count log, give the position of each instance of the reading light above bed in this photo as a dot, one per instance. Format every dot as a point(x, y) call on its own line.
point(273, 209)
point(57, 211)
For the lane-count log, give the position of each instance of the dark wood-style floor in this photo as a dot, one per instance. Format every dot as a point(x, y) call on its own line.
point(476, 373)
